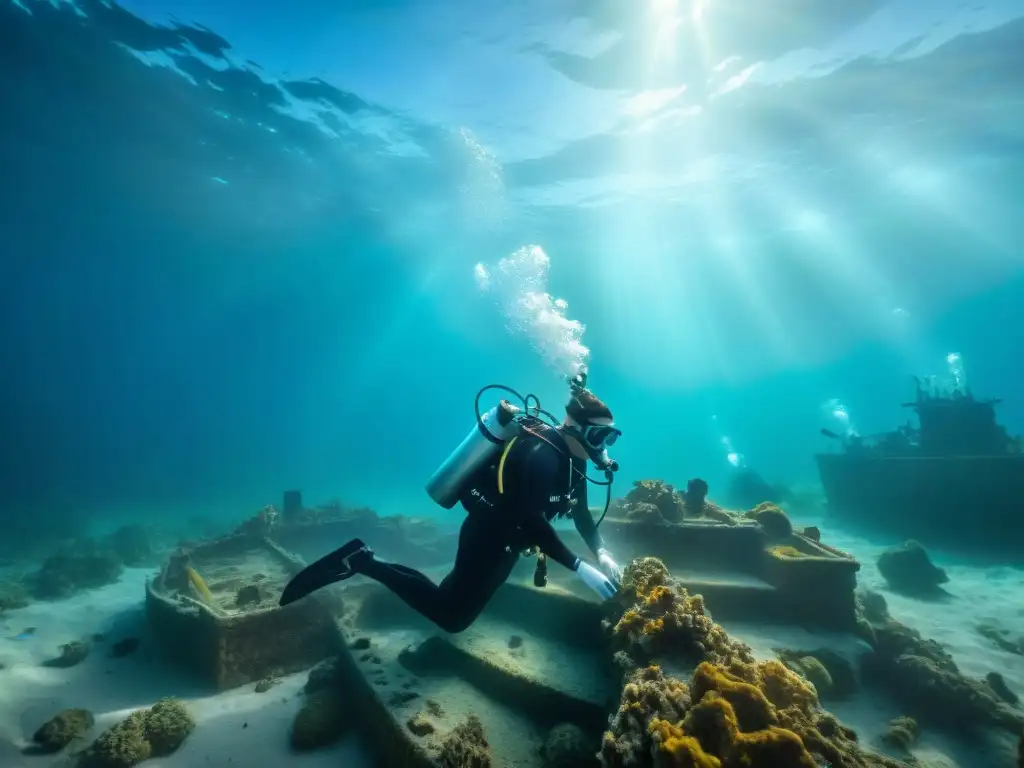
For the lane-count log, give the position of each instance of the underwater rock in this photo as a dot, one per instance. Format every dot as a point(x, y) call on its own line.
point(323, 720)
point(1001, 638)
point(133, 545)
point(324, 676)
point(831, 673)
point(466, 746)
point(714, 512)
point(71, 654)
point(12, 596)
point(811, 532)
point(746, 488)
point(260, 525)
point(60, 730)
point(168, 723)
point(772, 520)
point(695, 496)
point(908, 569)
point(248, 596)
point(567, 747)
point(660, 494)
point(125, 647)
point(872, 606)
point(82, 565)
point(266, 684)
point(1002, 690)
point(418, 725)
point(901, 733)
point(360, 644)
point(920, 674)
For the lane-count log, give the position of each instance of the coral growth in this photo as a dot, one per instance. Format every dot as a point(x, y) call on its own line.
point(756, 715)
point(908, 569)
point(466, 746)
point(83, 564)
point(786, 551)
point(659, 494)
point(735, 712)
point(154, 732)
point(714, 512)
point(773, 520)
point(666, 618)
point(60, 730)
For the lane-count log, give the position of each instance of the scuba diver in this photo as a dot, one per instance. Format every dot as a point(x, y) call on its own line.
point(514, 474)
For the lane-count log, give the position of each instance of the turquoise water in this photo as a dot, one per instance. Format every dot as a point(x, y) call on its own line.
point(240, 246)
point(256, 247)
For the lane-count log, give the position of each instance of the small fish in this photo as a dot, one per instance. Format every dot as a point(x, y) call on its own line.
point(25, 634)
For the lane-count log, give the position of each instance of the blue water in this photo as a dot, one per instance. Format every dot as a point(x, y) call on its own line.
point(239, 241)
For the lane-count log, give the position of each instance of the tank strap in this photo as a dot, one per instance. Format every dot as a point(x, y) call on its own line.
point(501, 465)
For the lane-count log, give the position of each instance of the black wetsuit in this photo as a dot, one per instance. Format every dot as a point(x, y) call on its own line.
point(541, 482)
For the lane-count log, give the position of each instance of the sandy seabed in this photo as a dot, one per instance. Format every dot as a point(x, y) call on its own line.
point(244, 728)
point(234, 728)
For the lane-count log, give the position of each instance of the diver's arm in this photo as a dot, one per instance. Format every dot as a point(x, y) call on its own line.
point(542, 534)
point(540, 471)
point(584, 522)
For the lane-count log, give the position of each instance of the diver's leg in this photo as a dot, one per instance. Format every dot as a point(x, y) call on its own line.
point(481, 566)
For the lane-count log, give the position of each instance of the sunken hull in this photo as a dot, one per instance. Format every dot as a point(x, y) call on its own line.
point(957, 503)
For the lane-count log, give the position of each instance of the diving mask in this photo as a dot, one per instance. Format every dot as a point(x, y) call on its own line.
point(600, 435)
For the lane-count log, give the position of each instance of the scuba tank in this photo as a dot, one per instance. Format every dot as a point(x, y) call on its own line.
point(480, 446)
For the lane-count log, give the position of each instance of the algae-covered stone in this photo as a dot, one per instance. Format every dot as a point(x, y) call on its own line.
point(322, 721)
point(908, 569)
point(566, 747)
point(901, 734)
point(167, 724)
point(63, 728)
point(12, 596)
point(71, 654)
point(154, 732)
point(466, 746)
point(121, 746)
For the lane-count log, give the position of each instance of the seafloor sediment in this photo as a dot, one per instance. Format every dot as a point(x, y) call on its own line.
point(707, 657)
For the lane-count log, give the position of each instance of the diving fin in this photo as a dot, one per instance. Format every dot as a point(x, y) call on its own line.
point(330, 569)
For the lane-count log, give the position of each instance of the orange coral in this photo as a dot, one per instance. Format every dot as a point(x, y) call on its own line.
point(667, 618)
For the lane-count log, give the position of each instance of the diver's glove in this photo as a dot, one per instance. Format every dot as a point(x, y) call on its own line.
point(609, 567)
point(596, 580)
